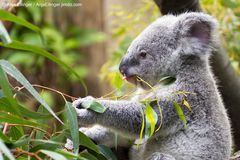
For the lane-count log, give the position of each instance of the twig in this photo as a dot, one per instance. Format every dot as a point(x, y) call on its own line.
point(5, 128)
point(47, 88)
point(20, 152)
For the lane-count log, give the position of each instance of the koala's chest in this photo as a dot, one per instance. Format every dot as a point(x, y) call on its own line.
point(155, 92)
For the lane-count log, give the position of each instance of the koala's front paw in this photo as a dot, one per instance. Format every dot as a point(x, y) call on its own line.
point(88, 132)
point(77, 103)
point(86, 117)
point(69, 145)
point(98, 134)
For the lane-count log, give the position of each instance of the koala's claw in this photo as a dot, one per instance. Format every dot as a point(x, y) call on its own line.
point(77, 103)
point(69, 144)
point(83, 129)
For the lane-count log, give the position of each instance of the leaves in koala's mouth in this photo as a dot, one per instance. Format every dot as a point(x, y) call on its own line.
point(95, 106)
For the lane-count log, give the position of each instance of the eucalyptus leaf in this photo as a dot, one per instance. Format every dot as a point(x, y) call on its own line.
point(4, 34)
point(87, 156)
point(25, 140)
point(142, 127)
point(5, 150)
point(4, 138)
point(12, 71)
point(45, 146)
point(73, 125)
point(9, 118)
point(15, 133)
point(42, 52)
point(10, 104)
point(151, 120)
point(7, 16)
point(180, 113)
point(53, 155)
point(107, 152)
point(85, 141)
point(94, 105)
point(67, 154)
point(4, 84)
point(185, 102)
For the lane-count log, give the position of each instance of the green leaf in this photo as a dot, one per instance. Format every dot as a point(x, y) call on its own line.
point(95, 106)
point(7, 16)
point(151, 120)
point(6, 151)
point(53, 155)
point(23, 141)
point(4, 137)
point(45, 146)
point(87, 142)
point(15, 133)
point(73, 125)
point(67, 154)
point(59, 136)
point(4, 84)
point(180, 113)
point(187, 105)
point(40, 134)
point(87, 156)
point(143, 126)
point(4, 34)
point(12, 71)
point(39, 51)
point(107, 152)
point(9, 118)
point(10, 104)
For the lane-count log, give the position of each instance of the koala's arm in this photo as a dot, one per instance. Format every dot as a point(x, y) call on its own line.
point(103, 135)
point(124, 117)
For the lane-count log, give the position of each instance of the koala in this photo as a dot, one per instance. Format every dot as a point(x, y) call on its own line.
point(179, 47)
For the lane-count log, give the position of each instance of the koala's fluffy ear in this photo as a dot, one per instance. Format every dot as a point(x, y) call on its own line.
point(197, 30)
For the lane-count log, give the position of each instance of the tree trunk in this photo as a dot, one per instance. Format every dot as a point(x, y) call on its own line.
point(228, 80)
point(91, 15)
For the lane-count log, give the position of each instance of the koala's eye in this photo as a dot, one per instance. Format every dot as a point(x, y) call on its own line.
point(143, 54)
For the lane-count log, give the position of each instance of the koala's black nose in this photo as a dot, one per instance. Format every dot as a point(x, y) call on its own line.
point(123, 70)
point(123, 67)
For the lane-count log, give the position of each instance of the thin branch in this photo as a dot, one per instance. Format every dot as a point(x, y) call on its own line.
point(20, 152)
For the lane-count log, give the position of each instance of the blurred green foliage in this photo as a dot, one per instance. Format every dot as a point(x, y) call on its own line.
point(24, 129)
point(129, 22)
point(29, 133)
point(64, 43)
point(227, 13)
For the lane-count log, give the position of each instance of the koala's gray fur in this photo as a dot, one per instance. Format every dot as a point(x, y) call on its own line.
point(177, 46)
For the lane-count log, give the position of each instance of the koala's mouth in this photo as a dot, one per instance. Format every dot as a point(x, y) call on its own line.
point(131, 79)
point(134, 79)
